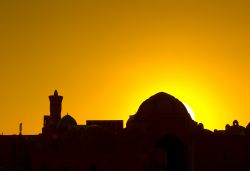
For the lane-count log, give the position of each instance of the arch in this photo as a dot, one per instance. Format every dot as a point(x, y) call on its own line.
point(176, 158)
point(93, 167)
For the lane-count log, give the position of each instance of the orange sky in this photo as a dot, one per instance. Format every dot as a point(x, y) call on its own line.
point(107, 57)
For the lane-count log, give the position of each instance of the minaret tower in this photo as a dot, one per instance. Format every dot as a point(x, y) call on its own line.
point(55, 108)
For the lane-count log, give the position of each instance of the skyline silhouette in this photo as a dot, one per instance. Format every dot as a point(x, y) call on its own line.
point(160, 136)
point(96, 51)
point(56, 99)
point(140, 85)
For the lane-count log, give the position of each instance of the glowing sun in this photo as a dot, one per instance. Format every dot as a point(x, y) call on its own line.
point(190, 111)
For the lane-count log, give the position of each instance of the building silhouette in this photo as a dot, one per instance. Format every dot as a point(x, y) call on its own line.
point(161, 136)
point(51, 121)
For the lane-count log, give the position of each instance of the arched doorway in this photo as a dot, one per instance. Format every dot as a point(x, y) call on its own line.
point(172, 153)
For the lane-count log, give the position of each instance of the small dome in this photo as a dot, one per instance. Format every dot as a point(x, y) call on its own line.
point(67, 122)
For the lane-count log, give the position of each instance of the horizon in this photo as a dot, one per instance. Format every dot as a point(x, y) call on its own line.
point(125, 121)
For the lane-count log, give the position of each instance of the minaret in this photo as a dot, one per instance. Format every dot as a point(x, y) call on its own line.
point(55, 108)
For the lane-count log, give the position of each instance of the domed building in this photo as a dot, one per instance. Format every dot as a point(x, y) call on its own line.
point(160, 136)
point(163, 125)
point(162, 114)
point(66, 123)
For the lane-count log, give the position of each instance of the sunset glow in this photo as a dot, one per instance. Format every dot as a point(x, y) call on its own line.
point(106, 57)
point(190, 111)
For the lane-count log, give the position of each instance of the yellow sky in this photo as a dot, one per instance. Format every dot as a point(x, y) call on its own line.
point(107, 57)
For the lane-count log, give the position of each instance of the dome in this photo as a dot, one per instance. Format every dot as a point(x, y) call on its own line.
point(161, 105)
point(67, 122)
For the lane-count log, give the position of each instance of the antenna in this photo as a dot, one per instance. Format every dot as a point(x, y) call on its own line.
point(20, 128)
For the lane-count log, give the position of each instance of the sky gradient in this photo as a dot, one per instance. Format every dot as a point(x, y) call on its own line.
point(107, 57)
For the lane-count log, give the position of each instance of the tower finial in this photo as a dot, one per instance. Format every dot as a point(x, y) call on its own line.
point(55, 93)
